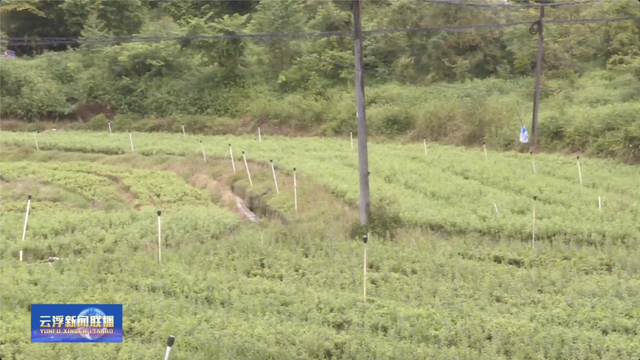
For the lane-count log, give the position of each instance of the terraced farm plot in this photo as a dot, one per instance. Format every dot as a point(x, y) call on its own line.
point(449, 189)
point(459, 280)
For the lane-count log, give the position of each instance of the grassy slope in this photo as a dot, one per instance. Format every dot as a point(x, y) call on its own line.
point(268, 291)
point(450, 189)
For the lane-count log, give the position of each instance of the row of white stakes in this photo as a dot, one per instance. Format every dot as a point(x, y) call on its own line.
point(204, 157)
point(533, 221)
point(294, 174)
point(533, 164)
point(365, 238)
point(495, 206)
point(171, 339)
point(26, 219)
point(233, 164)
point(351, 136)
point(296, 205)
point(484, 147)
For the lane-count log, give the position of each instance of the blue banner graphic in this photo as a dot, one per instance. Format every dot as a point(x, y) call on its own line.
point(76, 323)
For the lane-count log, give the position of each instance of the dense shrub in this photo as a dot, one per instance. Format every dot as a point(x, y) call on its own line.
point(384, 221)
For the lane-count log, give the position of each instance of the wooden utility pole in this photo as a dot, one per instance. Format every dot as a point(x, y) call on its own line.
point(363, 158)
point(536, 95)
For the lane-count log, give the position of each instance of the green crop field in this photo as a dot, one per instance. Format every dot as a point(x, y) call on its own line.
point(451, 269)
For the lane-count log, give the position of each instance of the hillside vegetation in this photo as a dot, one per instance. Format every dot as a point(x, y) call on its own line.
point(457, 87)
point(448, 276)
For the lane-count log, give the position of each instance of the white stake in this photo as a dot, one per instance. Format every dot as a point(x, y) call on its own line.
point(273, 170)
point(159, 237)
point(131, 141)
point(295, 190)
point(425, 144)
point(109, 127)
point(351, 134)
point(533, 163)
point(183, 132)
point(599, 203)
point(484, 146)
point(579, 171)
point(169, 346)
point(364, 269)
point(203, 154)
point(36, 139)
point(259, 135)
point(232, 161)
point(247, 166)
point(495, 207)
point(26, 218)
point(533, 225)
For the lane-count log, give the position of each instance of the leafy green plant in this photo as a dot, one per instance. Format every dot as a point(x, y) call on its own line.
point(270, 290)
point(384, 221)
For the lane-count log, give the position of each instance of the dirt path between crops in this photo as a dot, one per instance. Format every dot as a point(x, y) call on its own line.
point(214, 178)
point(227, 198)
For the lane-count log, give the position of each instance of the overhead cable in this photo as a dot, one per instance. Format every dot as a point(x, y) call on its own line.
point(447, 86)
point(324, 34)
point(507, 5)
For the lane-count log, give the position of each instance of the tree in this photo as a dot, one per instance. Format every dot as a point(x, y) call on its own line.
point(275, 16)
point(225, 54)
point(31, 19)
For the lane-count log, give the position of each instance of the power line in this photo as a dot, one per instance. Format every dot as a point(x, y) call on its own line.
point(276, 36)
point(446, 86)
point(454, 87)
point(324, 34)
point(505, 5)
point(495, 25)
point(581, 21)
point(72, 40)
point(268, 36)
point(447, 28)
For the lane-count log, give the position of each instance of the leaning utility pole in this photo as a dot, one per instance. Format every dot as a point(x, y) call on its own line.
point(536, 95)
point(363, 161)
